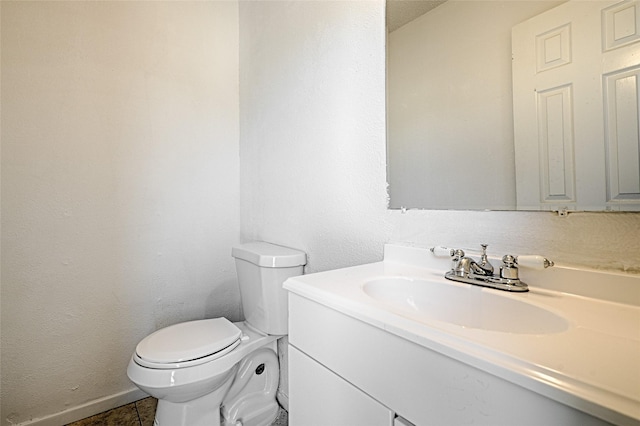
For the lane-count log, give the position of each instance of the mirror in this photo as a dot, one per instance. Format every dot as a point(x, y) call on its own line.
point(450, 110)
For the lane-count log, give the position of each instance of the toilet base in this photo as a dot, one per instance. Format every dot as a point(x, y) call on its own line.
point(251, 400)
point(197, 412)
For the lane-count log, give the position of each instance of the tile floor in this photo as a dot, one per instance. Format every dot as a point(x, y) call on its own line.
point(142, 413)
point(139, 413)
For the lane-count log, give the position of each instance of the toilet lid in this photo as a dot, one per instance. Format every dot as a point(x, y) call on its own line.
point(188, 341)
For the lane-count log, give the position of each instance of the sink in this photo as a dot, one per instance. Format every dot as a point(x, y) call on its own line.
point(464, 305)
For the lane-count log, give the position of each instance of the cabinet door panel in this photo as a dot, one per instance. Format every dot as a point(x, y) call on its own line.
point(319, 397)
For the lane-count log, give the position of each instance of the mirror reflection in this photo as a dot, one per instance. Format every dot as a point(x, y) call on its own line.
point(452, 143)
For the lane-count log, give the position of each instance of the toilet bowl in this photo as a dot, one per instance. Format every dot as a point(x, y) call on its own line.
point(186, 394)
point(212, 371)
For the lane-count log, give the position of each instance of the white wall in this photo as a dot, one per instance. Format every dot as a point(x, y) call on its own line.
point(120, 184)
point(312, 128)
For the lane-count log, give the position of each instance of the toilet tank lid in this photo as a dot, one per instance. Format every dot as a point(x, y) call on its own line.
point(269, 255)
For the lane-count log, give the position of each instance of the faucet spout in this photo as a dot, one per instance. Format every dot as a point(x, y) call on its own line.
point(464, 266)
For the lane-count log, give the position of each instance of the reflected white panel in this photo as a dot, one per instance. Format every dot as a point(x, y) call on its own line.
point(621, 24)
point(553, 48)
point(622, 102)
point(555, 139)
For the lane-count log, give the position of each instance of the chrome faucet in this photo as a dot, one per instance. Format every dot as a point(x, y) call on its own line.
point(465, 269)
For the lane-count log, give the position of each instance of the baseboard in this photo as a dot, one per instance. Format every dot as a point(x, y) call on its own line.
point(283, 399)
point(88, 409)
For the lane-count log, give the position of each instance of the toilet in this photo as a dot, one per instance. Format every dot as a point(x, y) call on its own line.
point(214, 372)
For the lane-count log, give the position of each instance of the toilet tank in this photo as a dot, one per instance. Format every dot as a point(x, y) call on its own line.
point(262, 269)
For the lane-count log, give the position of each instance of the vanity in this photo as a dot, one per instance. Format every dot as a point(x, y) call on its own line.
point(395, 343)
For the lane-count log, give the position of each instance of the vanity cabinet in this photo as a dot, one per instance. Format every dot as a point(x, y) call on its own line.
point(344, 371)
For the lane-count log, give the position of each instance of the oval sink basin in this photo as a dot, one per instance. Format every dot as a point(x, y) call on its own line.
point(466, 306)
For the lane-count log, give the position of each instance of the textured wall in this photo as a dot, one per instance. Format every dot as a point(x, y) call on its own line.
point(594, 240)
point(119, 188)
point(312, 128)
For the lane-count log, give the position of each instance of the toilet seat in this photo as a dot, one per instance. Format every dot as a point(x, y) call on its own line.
point(188, 344)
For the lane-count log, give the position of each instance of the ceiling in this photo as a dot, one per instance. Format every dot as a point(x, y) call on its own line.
point(400, 12)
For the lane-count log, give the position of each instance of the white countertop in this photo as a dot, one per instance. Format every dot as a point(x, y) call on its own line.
point(593, 366)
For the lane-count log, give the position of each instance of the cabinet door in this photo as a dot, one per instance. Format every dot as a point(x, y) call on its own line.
point(318, 397)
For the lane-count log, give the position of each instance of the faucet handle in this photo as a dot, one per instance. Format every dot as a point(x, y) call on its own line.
point(483, 256)
point(440, 251)
point(509, 260)
point(509, 270)
point(534, 261)
point(484, 261)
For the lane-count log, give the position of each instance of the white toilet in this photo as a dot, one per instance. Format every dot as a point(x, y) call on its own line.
point(212, 372)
